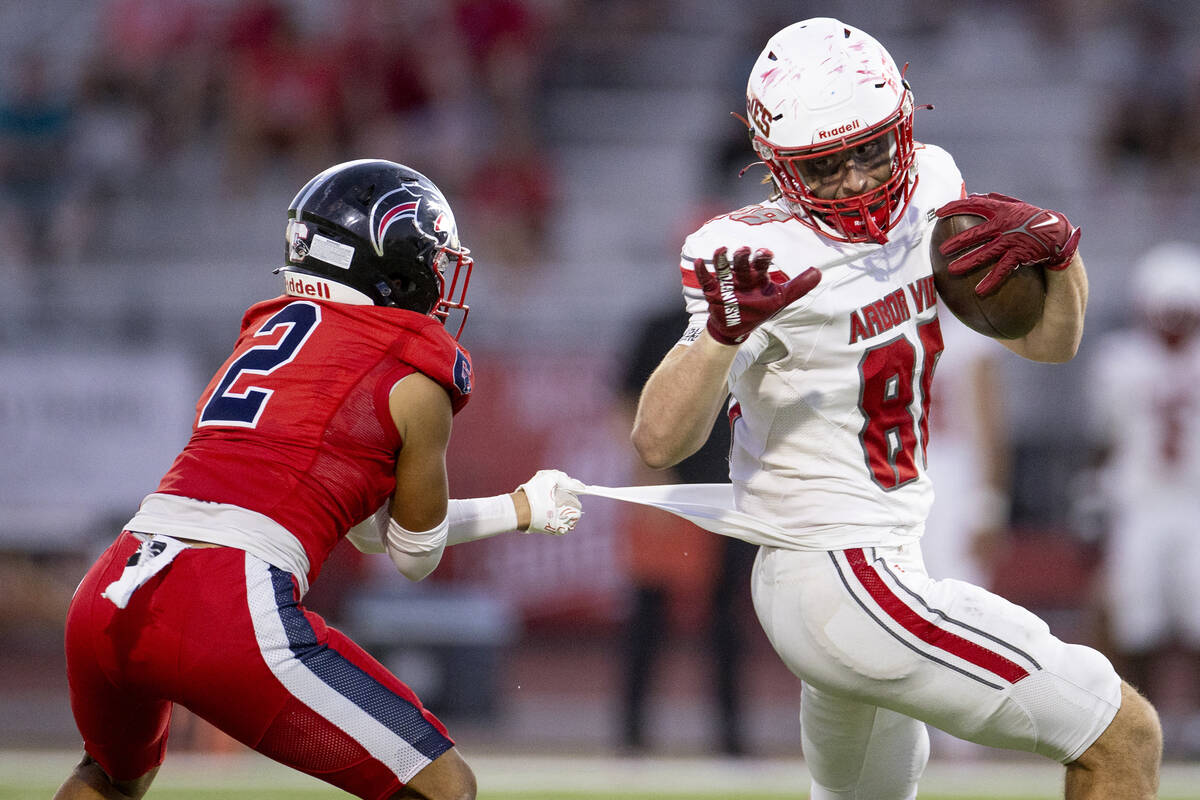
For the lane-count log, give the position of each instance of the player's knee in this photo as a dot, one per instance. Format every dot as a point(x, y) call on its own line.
point(89, 773)
point(1134, 735)
point(464, 787)
point(448, 777)
point(459, 789)
point(1141, 724)
point(456, 788)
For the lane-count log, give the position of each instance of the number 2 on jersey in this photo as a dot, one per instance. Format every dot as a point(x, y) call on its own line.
point(890, 433)
point(244, 407)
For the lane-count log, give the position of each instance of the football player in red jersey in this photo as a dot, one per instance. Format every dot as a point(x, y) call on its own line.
point(818, 320)
point(330, 418)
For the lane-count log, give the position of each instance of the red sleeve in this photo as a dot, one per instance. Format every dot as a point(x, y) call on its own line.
point(437, 355)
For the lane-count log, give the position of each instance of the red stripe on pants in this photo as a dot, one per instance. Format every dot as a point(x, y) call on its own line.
point(925, 630)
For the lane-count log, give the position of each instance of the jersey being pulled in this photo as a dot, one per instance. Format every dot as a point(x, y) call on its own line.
point(295, 425)
point(830, 397)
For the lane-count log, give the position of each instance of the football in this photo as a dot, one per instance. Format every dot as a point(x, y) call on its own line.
point(1008, 313)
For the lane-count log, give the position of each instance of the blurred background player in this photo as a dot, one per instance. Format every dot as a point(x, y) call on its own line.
point(969, 457)
point(681, 576)
point(819, 317)
point(331, 418)
point(1145, 413)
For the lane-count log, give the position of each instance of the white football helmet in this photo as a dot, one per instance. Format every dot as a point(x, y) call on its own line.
point(821, 87)
point(1166, 286)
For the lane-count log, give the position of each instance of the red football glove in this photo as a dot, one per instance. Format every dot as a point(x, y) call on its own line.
point(1016, 233)
point(741, 299)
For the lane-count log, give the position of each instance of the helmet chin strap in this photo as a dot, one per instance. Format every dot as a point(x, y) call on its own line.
point(821, 220)
point(873, 229)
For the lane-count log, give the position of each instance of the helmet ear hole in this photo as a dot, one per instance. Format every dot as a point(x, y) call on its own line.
point(403, 287)
point(416, 292)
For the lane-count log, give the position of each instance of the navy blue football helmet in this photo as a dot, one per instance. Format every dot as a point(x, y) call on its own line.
point(381, 230)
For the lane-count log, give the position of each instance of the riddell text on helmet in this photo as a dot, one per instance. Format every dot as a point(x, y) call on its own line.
point(301, 286)
point(840, 129)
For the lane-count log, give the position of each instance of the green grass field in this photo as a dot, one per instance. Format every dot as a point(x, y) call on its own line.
point(189, 776)
point(44, 791)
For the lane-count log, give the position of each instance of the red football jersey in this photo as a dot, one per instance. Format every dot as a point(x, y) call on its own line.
point(295, 424)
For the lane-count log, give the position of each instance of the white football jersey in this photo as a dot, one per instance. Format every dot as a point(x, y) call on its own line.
point(830, 397)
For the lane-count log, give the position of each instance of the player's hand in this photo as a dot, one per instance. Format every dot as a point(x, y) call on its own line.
point(1015, 234)
point(553, 504)
point(743, 297)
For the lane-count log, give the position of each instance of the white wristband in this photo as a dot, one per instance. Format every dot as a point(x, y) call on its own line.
point(416, 553)
point(480, 518)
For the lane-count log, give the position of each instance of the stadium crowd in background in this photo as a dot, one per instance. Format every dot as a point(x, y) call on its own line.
point(270, 91)
point(35, 128)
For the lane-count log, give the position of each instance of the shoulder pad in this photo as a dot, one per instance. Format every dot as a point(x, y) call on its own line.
point(434, 352)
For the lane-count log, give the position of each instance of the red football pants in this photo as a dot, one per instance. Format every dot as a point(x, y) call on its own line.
point(222, 633)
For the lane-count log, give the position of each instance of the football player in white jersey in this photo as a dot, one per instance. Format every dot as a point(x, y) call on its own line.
point(1145, 390)
point(814, 313)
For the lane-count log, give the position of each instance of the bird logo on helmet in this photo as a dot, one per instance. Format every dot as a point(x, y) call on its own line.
point(396, 205)
point(819, 88)
point(377, 232)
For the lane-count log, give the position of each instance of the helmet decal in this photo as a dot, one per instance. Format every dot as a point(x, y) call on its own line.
point(761, 116)
point(388, 210)
point(331, 252)
point(297, 235)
